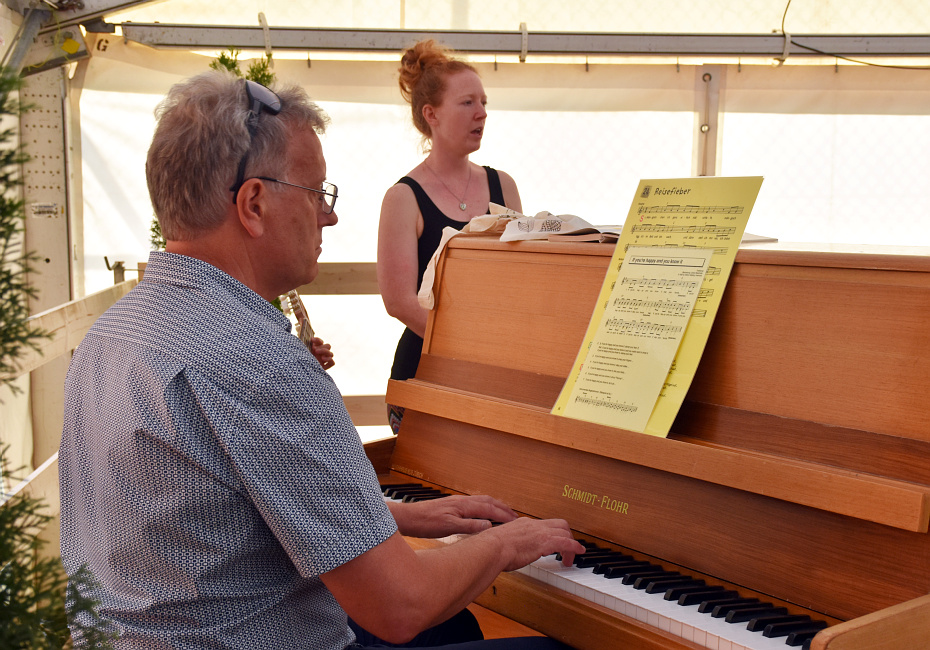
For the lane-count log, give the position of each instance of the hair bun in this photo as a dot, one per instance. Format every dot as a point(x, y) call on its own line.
point(423, 67)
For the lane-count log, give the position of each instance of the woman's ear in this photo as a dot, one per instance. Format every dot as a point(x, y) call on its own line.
point(251, 204)
point(429, 114)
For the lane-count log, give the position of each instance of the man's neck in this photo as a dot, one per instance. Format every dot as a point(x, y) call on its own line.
point(222, 248)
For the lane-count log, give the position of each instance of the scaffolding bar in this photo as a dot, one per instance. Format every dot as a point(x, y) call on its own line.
point(160, 35)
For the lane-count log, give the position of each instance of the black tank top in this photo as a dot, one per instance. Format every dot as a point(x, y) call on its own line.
point(410, 346)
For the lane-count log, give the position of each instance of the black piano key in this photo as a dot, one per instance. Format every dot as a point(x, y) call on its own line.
point(590, 549)
point(614, 560)
point(722, 611)
point(661, 585)
point(687, 596)
point(412, 490)
point(388, 490)
point(618, 557)
point(804, 637)
point(591, 558)
point(642, 580)
point(413, 498)
point(786, 629)
point(400, 494)
point(762, 623)
point(708, 606)
point(752, 613)
point(591, 546)
point(632, 575)
point(622, 572)
point(614, 569)
point(395, 492)
point(386, 486)
point(647, 568)
point(416, 493)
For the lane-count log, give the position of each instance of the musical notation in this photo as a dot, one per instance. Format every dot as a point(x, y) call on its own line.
point(674, 208)
point(609, 404)
point(721, 231)
point(641, 328)
point(672, 307)
point(658, 283)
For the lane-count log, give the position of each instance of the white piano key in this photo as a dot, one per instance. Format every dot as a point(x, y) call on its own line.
point(652, 609)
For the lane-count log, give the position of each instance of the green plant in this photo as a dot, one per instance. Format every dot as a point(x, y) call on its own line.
point(16, 332)
point(33, 589)
point(228, 60)
point(259, 70)
point(155, 237)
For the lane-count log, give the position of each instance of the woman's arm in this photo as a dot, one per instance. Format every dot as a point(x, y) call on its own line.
point(511, 193)
point(398, 232)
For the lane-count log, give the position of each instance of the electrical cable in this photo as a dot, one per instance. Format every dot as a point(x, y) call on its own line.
point(846, 58)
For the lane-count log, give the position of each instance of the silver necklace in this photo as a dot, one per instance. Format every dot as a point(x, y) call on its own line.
point(462, 204)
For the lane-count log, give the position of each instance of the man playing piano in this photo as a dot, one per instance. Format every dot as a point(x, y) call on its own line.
point(211, 479)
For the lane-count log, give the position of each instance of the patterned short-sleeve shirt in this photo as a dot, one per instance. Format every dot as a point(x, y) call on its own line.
point(209, 471)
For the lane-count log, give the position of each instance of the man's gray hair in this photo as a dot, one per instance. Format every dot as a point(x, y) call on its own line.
point(200, 138)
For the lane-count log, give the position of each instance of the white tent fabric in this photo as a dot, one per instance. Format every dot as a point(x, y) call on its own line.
point(657, 16)
point(841, 146)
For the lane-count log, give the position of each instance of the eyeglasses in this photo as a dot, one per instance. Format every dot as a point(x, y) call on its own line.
point(329, 192)
point(260, 98)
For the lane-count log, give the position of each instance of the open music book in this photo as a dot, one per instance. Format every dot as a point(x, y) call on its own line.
point(610, 234)
point(749, 238)
point(595, 233)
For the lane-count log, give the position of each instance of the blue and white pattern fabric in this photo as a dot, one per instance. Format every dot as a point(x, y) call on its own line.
point(209, 471)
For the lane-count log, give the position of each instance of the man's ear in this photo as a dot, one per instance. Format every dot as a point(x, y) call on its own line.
point(251, 205)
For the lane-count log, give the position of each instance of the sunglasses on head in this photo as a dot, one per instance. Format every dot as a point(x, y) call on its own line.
point(260, 99)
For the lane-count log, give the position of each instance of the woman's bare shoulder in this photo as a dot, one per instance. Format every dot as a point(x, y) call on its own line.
point(510, 191)
point(400, 206)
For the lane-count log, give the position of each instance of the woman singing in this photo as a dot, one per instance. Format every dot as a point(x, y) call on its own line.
point(448, 106)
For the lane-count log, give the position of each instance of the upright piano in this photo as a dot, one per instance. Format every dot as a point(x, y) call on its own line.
point(797, 472)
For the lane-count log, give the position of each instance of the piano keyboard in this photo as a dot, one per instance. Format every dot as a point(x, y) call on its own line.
point(707, 615)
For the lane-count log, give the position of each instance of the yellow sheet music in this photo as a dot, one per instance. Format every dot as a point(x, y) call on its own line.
point(681, 214)
point(640, 330)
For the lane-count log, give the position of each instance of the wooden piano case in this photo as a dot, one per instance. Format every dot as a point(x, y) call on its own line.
point(798, 467)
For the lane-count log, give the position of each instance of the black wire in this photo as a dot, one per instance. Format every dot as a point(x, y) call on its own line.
point(845, 58)
point(874, 65)
point(783, 17)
